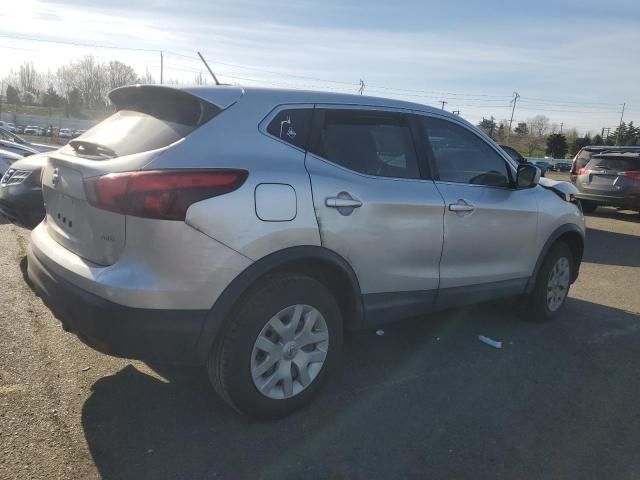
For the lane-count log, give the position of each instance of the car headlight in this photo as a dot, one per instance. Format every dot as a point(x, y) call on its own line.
point(15, 177)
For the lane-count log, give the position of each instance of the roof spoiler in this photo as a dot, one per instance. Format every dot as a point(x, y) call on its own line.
point(222, 97)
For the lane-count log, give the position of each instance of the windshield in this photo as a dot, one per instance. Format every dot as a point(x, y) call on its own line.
point(11, 137)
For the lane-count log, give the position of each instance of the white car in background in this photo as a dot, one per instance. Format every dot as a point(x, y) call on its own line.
point(65, 133)
point(32, 130)
point(8, 126)
point(16, 144)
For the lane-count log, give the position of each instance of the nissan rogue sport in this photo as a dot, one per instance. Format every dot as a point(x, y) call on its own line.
point(248, 229)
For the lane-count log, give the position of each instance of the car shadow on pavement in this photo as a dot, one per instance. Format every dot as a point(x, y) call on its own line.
point(615, 214)
point(612, 248)
point(424, 399)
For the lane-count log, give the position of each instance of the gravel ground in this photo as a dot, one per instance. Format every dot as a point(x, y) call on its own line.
point(425, 400)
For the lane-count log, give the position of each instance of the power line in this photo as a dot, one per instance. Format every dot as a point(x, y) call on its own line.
point(77, 44)
point(478, 100)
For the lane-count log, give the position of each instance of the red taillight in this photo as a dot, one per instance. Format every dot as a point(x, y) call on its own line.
point(161, 194)
point(581, 170)
point(635, 174)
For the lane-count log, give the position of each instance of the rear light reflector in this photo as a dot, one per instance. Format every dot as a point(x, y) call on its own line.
point(635, 174)
point(581, 170)
point(160, 194)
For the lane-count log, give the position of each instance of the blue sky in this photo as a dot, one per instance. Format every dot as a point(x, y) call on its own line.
point(575, 62)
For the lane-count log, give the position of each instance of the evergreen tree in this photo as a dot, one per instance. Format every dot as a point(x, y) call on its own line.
point(521, 129)
point(557, 145)
point(13, 96)
point(488, 126)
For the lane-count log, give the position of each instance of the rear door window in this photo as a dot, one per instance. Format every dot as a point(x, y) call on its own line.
point(292, 126)
point(370, 142)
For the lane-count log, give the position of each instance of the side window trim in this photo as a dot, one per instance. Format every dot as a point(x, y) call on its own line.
point(433, 164)
point(264, 123)
point(318, 120)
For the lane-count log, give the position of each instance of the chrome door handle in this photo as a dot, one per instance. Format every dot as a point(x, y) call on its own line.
point(338, 202)
point(461, 206)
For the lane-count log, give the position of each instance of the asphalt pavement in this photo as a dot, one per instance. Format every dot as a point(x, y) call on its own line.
point(424, 400)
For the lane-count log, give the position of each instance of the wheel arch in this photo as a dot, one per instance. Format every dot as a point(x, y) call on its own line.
point(320, 263)
point(574, 238)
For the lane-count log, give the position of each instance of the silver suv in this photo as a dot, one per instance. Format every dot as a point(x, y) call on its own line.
point(247, 229)
point(611, 178)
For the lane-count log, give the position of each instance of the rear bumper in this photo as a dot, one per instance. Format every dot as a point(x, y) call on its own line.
point(629, 201)
point(140, 333)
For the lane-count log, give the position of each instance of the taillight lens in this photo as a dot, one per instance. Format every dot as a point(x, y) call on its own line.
point(632, 174)
point(581, 170)
point(160, 194)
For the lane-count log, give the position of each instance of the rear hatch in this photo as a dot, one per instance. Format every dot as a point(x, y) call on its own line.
point(612, 174)
point(148, 120)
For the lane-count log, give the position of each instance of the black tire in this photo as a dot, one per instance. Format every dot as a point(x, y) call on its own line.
point(537, 308)
point(588, 207)
point(229, 362)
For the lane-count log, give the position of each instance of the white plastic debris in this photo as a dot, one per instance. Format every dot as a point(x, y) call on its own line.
point(490, 341)
point(380, 332)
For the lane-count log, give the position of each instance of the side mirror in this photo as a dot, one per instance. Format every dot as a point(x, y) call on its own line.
point(528, 176)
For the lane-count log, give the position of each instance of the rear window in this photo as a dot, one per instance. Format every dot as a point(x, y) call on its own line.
point(584, 157)
point(617, 164)
point(147, 118)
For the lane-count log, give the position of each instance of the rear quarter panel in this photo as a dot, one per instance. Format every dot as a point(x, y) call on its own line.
point(233, 140)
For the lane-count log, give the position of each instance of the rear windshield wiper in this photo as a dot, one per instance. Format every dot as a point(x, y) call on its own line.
point(91, 148)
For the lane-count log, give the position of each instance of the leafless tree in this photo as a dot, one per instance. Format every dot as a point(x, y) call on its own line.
point(64, 80)
point(147, 78)
point(201, 79)
point(29, 79)
point(120, 74)
point(91, 80)
point(538, 128)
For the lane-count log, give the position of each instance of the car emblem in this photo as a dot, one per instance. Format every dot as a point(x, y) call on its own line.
point(55, 178)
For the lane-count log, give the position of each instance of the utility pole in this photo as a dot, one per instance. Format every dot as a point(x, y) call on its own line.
point(161, 68)
point(561, 125)
point(456, 112)
point(362, 86)
point(443, 103)
point(620, 126)
point(514, 100)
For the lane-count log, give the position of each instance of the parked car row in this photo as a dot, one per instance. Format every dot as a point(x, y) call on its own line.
point(40, 131)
